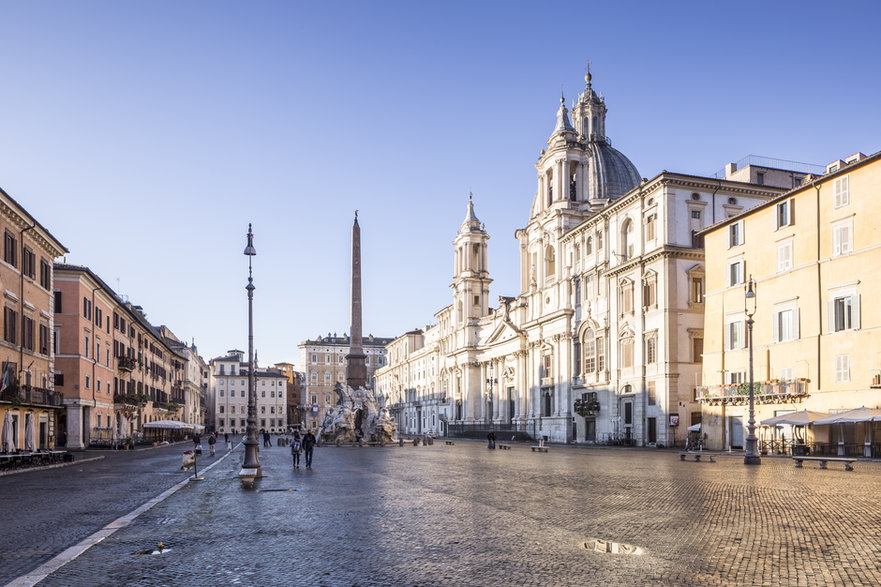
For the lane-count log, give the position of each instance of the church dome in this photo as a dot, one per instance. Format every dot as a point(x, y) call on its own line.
point(612, 174)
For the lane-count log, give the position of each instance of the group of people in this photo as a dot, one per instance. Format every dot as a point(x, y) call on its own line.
point(299, 445)
point(212, 443)
point(305, 444)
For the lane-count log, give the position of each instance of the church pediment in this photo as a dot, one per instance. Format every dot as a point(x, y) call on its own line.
point(504, 331)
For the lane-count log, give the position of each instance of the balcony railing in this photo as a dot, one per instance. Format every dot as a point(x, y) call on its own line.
point(547, 381)
point(32, 395)
point(132, 399)
point(126, 364)
point(769, 392)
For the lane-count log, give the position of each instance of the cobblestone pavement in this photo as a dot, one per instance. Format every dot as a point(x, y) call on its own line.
point(465, 515)
point(42, 512)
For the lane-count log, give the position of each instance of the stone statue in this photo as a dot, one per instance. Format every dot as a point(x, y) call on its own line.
point(359, 415)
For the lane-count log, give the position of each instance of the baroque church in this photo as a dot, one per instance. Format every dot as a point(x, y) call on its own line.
point(603, 342)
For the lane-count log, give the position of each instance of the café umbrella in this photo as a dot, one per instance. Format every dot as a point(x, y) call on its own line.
point(861, 414)
point(8, 435)
point(29, 438)
point(800, 418)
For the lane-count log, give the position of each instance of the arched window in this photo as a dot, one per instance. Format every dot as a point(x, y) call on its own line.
point(626, 346)
point(590, 351)
point(549, 179)
point(475, 260)
point(588, 248)
point(627, 239)
point(550, 261)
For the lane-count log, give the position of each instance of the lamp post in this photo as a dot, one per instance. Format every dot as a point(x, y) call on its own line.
point(251, 466)
point(489, 400)
point(751, 456)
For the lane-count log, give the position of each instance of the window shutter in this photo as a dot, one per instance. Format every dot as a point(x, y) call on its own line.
point(830, 319)
point(792, 211)
point(796, 325)
point(855, 312)
point(775, 326)
point(836, 241)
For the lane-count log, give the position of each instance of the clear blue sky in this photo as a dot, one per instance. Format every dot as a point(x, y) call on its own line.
point(146, 135)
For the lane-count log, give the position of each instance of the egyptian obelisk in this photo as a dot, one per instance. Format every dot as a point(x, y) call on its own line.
point(356, 368)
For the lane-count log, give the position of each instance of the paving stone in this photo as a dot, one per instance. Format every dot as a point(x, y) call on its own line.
point(467, 516)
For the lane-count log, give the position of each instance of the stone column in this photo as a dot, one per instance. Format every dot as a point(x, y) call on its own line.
point(356, 368)
point(75, 437)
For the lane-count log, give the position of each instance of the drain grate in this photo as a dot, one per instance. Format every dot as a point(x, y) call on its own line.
point(160, 549)
point(608, 546)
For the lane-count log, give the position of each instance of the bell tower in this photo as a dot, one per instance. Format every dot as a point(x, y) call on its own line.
point(471, 276)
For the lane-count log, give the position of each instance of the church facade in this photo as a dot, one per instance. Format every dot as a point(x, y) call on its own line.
point(602, 344)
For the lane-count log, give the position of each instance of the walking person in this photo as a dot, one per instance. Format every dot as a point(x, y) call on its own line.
point(296, 445)
point(212, 444)
point(491, 439)
point(308, 446)
point(197, 440)
point(267, 439)
point(226, 439)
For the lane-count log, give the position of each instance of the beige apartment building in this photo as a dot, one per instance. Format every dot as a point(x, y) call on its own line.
point(229, 390)
point(813, 254)
point(324, 363)
point(29, 403)
point(115, 369)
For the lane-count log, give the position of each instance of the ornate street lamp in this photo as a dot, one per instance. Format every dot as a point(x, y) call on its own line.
point(251, 466)
point(751, 456)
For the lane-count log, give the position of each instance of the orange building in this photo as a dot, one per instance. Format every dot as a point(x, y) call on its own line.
point(29, 405)
point(116, 370)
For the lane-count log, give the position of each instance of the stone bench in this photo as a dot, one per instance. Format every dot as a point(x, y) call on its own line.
point(696, 456)
point(504, 446)
point(539, 448)
point(848, 462)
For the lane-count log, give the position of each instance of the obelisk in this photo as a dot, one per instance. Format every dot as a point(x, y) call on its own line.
point(356, 368)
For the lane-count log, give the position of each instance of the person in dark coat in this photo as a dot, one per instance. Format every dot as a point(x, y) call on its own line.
point(309, 441)
point(267, 439)
point(491, 439)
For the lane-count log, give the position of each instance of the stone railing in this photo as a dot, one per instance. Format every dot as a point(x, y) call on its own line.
point(768, 392)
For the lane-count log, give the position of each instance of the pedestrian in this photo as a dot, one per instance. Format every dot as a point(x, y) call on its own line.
point(308, 446)
point(212, 444)
point(295, 449)
point(228, 443)
point(491, 439)
point(267, 439)
point(197, 440)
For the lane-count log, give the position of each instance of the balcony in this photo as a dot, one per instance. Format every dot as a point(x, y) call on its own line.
point(130, 399)
point(547, 381)
point(876, 380)
point(126, 364)
point(769, 392)
point(29, 395)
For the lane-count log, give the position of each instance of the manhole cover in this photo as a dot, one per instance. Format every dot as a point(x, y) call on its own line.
point(282, 489)
point(608, 546)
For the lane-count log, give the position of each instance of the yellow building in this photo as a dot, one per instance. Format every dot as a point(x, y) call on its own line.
point(812, 254)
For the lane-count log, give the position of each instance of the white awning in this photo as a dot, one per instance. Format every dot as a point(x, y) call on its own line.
point(169, 425)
